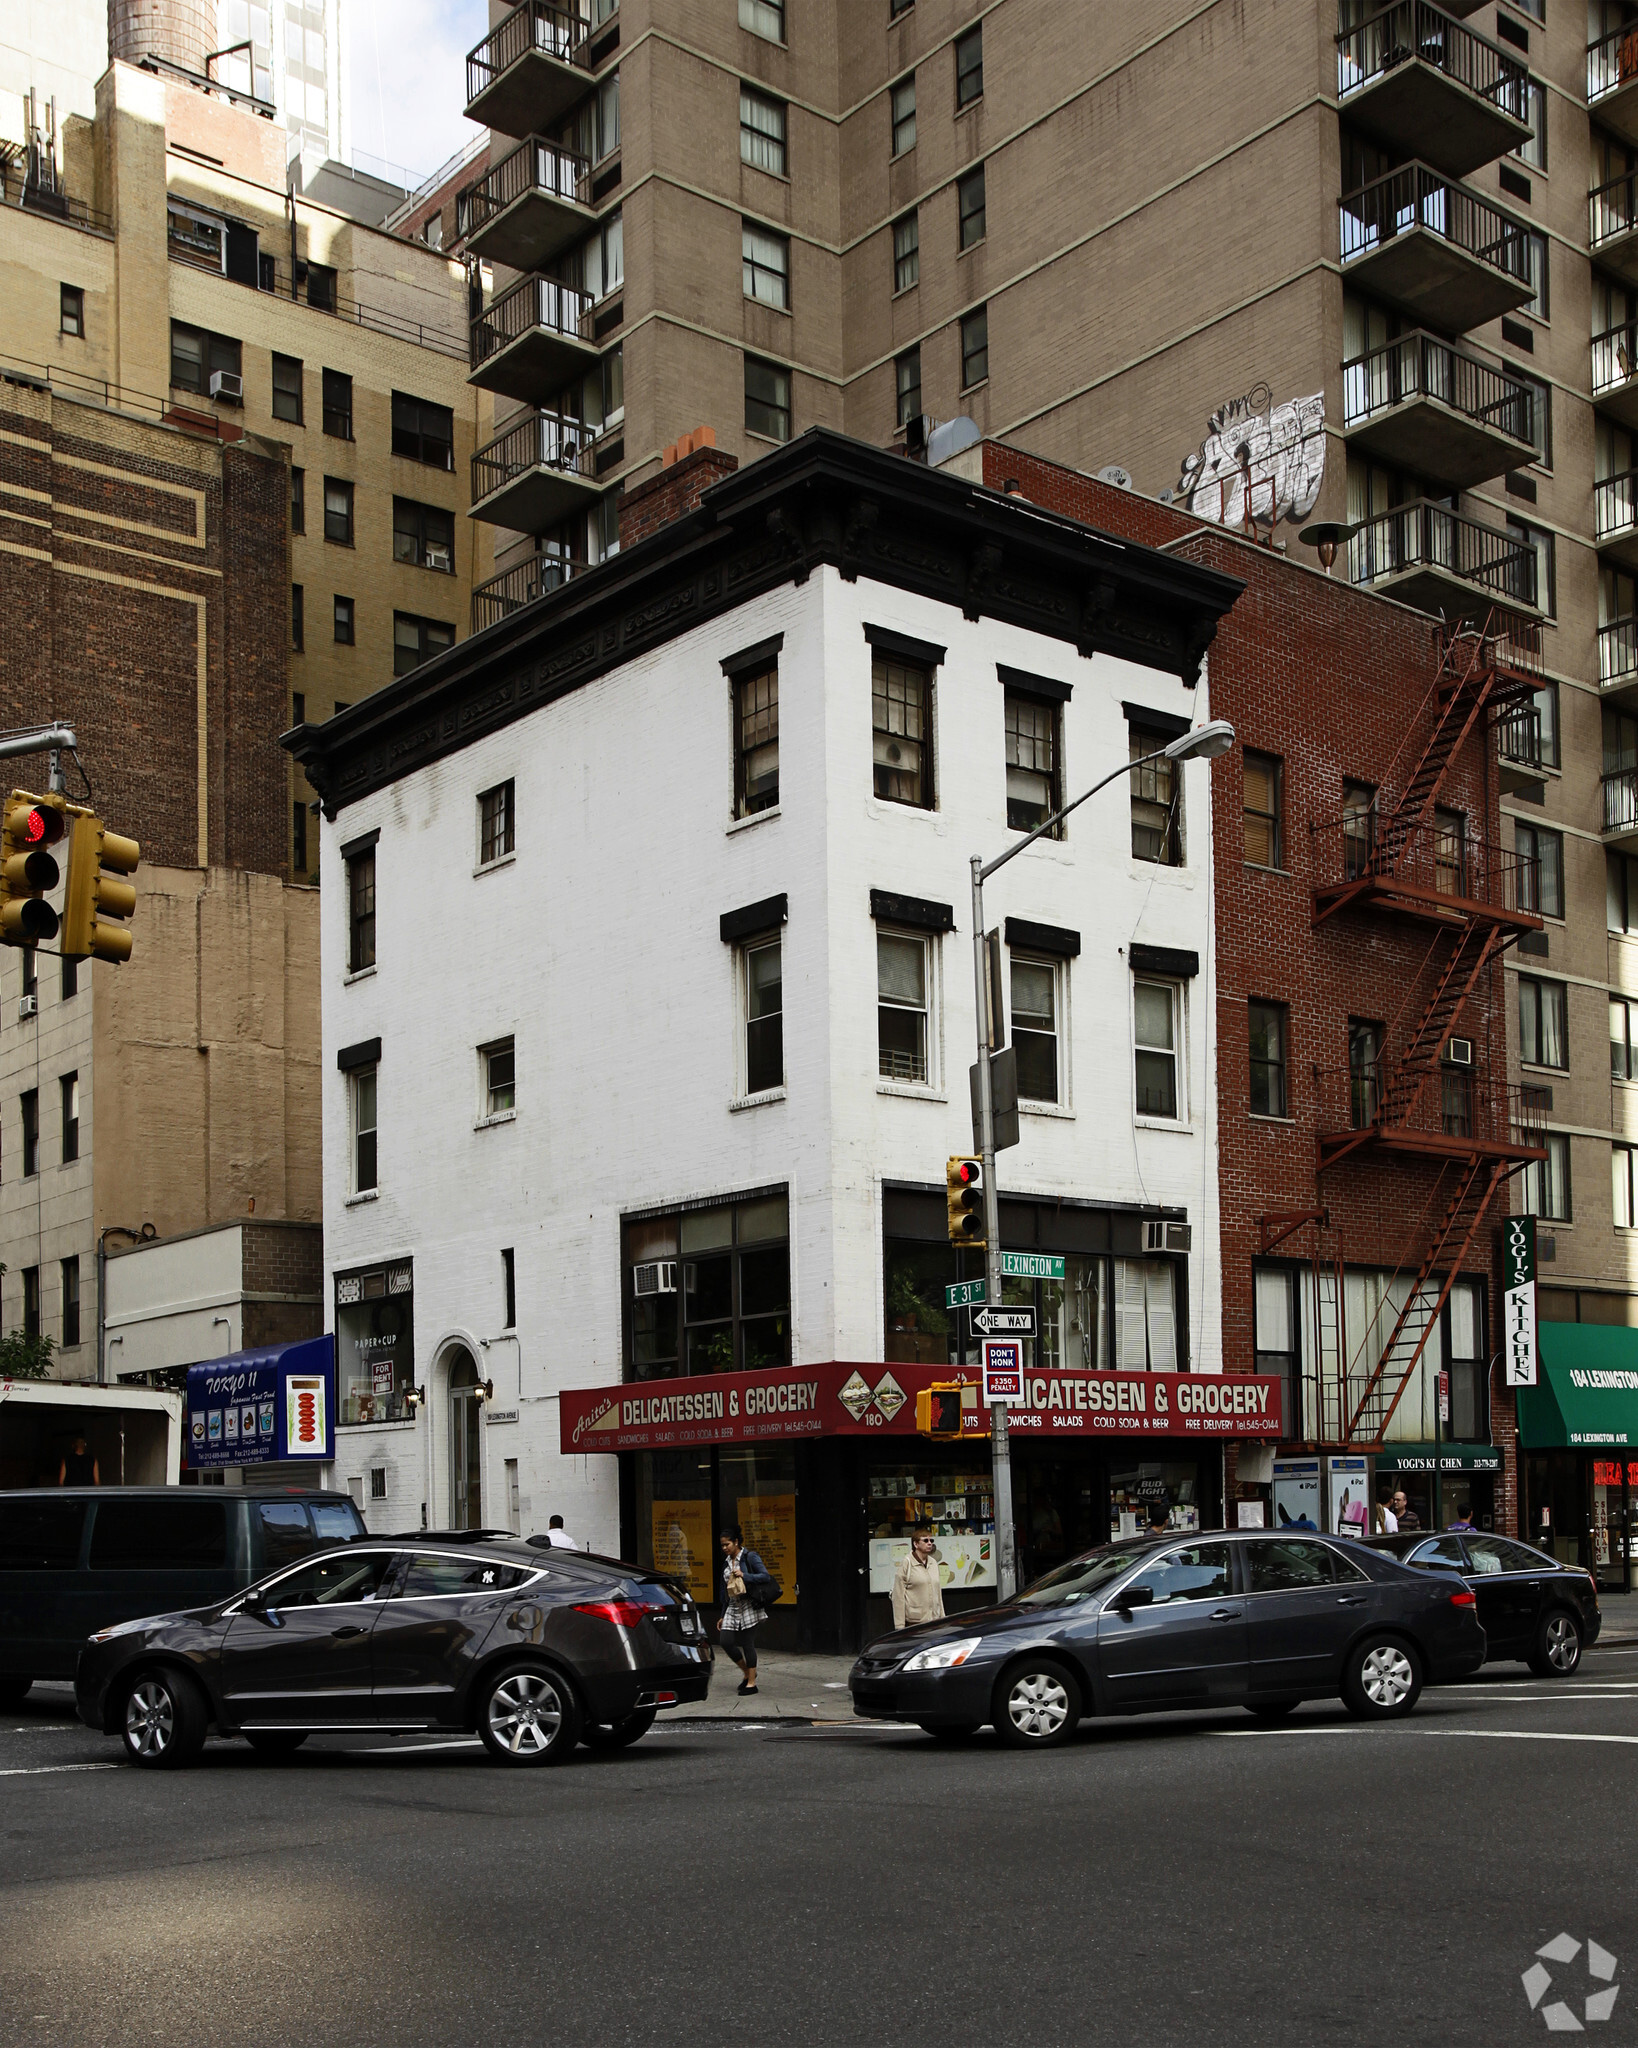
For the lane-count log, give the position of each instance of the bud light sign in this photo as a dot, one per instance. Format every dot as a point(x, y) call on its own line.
point(258, 1407)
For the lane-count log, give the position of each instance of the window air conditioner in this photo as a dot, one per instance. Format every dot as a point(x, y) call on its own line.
point(28, 1006)
point(1459, 1052)
point(224, 384)
point(1167, 1237)
point(660, 1277)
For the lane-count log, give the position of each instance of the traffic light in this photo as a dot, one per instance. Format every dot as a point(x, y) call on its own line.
point(27, 870)
point(964, 1198)
point(94, 896)
point(938, 1409)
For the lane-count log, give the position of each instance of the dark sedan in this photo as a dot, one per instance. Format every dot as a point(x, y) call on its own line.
point(1234, 1619)
point(1533, 1609)
point(536, 1650)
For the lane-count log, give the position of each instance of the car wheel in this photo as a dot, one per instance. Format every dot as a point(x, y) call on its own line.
point(1382, 1679)
point(1272, 1710)
point(1037, 1704)
point(618, 1734)
point(527, 1715)
point(949, 1731)
point(276, 1741)
point(13, 1692)
point(163, 1720)
point(1558, 1645)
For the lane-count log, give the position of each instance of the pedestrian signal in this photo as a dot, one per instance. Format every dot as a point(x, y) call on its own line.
point(964, 1198)
point(97, 902)
point(938, 1409)
point(27, 870)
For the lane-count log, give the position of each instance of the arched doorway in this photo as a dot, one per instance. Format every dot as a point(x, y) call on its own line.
point(465, 1444)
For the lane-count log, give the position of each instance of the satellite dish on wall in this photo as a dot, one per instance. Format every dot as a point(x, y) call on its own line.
point(949, 438)
point(1112, 473)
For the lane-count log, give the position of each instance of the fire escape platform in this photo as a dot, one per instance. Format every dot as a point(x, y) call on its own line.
point(1378, 1139)
point(1400, 896)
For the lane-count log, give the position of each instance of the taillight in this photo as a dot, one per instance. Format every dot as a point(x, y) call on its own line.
point(623, 1613)
point(1463, 1599)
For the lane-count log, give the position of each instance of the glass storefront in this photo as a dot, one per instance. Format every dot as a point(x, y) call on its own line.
point(1582, 1508)
point(685, 1499)
point(375, 1343)
point(1150, 1493)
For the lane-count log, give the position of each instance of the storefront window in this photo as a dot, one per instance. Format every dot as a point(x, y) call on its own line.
point(1145, 1315)
point(1072, 1315)
point(375, 1343)
point(758, 1490)
point(709, 1290)
point(686, 1498)
point(1152, 1495)
point(948, 1493)
point(674, 1532)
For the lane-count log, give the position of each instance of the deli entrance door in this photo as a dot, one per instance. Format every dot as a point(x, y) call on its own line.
point(1060, 1507)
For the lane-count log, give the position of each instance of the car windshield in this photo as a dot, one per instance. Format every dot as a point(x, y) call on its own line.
point(1083, 1578)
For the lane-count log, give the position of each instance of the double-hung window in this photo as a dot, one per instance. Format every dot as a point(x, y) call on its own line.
point(756, 739)
point(1268, 1058)
point(901, 696)
point(298, 501)
point(498, 1077)
point(1358, 829)
point(762, 125)
point(765, 18)
point(1364, 1071)
point(903, 1011)
point(762, 993)
point(69, 1270)
point(338, 510)
point(421, 431)
point(1621, 1185)
point(496, 813)
point(765, 266)
point(1156, 1038)
point(1544, 1185)
point(902, 104)
point(970, 207)
point(70, 1090)
point(1036, 1004)
point(344, 624)
point(1033, 787)
point(338, 405)
point(423, 535)
point(197, 356)
point(71, 310)
point(907, 385)
point(906, 252)
point(1156, 799)
point(767, 400)
point(969, 52)
point(31, 1301)
point(361, 1120)
point(1262, 773)
point(287, 389)
point(415, 639)
point(1623, 1051)
point(361, 910)
point(31, 1132)
point(975, 348)
point(1544, 1035)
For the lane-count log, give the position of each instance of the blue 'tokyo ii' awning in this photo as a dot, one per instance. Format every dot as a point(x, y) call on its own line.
point(258, 1407)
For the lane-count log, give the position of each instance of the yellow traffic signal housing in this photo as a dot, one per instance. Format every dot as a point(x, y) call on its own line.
point(938, 1409)
point(94, 897)
point(33, 824)
point(964, 1199)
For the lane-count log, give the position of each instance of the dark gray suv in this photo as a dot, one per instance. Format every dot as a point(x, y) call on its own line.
point(534, 1649)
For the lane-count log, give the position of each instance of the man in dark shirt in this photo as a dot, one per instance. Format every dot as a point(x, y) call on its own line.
point(78, 1468)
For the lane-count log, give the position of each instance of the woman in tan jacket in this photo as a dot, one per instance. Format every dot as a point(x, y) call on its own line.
point(918, 1593)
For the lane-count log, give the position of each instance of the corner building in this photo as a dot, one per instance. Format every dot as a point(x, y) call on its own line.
point(635, 1203)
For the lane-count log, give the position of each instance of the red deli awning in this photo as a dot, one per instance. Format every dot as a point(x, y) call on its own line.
point(839, 1399)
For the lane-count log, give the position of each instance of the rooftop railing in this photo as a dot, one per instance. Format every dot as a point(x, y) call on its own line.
point(537, 440)
point(1412, 29)
point(1415, 196)
point(1422, 365)
point(1426, 535)
point(559, 32)
point(43, 193)
point(534, 166)
point(531, 302)
point(522, 585)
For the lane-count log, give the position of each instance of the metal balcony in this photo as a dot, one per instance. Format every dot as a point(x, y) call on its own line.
point(528, 208)
point(524, 584)
point(1615, 372)
point(1620, 791)
point(1426, 555)
point(1421, 84)
point(1612, 81)
point(1612, 225)
point(540, 471)
point(1462, 1112)
point(1437, 876)
point(1520, 758)
point(1615, 517)
point(532, 340)
point(531, 70)
point(1422, 404)
point(1618, 659)
point(1436, 248)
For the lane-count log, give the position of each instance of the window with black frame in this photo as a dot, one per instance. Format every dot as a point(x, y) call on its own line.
point(1155, 800)
point(708, 1289)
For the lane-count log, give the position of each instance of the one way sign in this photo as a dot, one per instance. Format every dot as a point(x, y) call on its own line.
point(1005, 1322)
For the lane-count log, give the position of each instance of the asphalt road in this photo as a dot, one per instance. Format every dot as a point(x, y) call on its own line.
point(1160, 1881)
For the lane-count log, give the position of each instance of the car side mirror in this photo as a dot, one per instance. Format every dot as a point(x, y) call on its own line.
point(1134, 1596)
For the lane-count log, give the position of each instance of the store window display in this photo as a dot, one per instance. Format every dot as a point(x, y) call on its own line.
point(952, 1497)
point(1153, 1495)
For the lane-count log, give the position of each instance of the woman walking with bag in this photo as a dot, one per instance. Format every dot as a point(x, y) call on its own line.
point(748, 1591)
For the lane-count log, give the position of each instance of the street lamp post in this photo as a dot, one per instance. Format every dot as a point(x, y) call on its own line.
point(1200, 742)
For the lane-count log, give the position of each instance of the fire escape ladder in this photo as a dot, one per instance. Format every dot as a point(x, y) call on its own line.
point(1477, 1180)
point(1467, 675)
point(1330, 1344)
point(1471, 954)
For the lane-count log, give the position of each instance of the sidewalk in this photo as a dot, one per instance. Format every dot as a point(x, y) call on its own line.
point(790, 1687)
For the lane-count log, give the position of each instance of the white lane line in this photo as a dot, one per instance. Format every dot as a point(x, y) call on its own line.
point(46, 1770)
point(1525, 1735)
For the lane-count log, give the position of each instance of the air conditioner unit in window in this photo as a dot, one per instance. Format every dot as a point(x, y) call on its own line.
point(28, 1006)
point(1167, 1237)
point(1458, 1052)
point(659, 1277)
point(224, 384)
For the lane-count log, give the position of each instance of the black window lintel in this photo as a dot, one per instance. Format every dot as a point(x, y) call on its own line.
point(361, 844)
point(1166, 723)
point(1175, 962)
point(1055, 939)
point(751, 659)
point(766, 916)
point(914, 911)
point(1048, 687)
point(901, 647)
point(367, 1053)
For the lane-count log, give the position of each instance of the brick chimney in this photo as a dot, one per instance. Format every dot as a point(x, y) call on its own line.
point(689, 468)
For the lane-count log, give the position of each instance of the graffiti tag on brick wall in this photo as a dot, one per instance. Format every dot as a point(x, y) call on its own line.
point(1259, 462)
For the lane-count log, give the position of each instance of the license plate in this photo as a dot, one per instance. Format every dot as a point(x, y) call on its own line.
point(687, 1624)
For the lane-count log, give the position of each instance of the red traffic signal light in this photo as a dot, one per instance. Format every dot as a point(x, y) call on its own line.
point(27, 870)
point(964, 1200)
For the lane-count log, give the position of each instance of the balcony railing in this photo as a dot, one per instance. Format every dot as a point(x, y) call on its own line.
point(532, 302)
point(1434, 859)
point(1620, 788)
point(1615, 505)
point(1414, 196)
point(1518, 738)
point(539, 440)
point(1411, 28)
point(534, 166)
point(1612, 62)
point(1429, 536)
point(1455, 1102)
point(523, 585)
point(1618, 651)
point(1613, 209)
point(558, 32)
point(32, 195)
point(1614, 357)
point(1422, 365)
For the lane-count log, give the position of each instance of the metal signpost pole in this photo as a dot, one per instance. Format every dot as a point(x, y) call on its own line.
point(1000, 1447)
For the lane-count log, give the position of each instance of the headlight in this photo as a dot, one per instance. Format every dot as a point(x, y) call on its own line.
point(120, 1628)
point(944, 1656)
